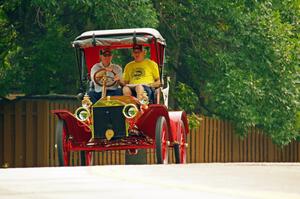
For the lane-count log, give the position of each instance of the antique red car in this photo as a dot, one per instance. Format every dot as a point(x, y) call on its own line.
point(121, 122)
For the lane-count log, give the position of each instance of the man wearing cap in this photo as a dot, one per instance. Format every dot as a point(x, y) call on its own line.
point(105, 63)
point(140, 74)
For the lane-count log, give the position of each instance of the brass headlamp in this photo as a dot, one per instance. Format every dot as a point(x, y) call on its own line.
point(82, 114)
point(130, 111)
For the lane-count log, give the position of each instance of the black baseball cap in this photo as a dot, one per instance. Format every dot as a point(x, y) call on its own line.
point(106, 51)
point(137, 47)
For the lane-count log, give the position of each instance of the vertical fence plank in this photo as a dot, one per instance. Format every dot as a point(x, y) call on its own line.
point(105, 157)
point(192, 148)
point(236, 148)
point(253, 145)
point(19, 136)
point(51, 135)
point(170, 155)
point(219, 146)
point(197, 145)
point(43, 133)
point(245, 150)
point(8, 136)
point(222, 141)
point(276, 153)
point(115, 159)
point(226, 132)
point(29, 135)
point(95, 158)
point(291, 153)
point(266, 148)
point(201, 140)
point(295, 152)
point(298, 151)
point(256, 144)
point(214, 140)
point(270, 151)
point(261, 145)
point(188, 156)
point(122, 159)
point(206, 129)
point(1, 135)
point(230, 134)
point(100, 157)
point(148, 156)
point(210, 140)
point(153, 157)
point(249, 151)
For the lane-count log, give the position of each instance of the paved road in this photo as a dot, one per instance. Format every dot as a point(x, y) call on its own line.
point(205, 181)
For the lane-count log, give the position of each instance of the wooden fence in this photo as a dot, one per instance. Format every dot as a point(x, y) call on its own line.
point(27, 139)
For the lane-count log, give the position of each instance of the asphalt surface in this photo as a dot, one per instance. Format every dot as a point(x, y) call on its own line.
point(205, 181)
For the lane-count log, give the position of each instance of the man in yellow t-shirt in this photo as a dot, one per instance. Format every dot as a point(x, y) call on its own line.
point(140, 74)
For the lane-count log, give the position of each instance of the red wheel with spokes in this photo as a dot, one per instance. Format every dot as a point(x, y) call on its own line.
point(161, 140)
point(180, 148)
point(62, 144)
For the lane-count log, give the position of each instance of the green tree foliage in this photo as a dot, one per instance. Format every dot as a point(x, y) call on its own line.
point(36, 52)
point(241, 56)
point(237, 60)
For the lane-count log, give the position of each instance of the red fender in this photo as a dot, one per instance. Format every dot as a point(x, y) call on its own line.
point(80, 131)
point(175, 122)
point(146, 123)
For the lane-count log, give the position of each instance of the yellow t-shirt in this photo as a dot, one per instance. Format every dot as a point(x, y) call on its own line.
point(144, 72)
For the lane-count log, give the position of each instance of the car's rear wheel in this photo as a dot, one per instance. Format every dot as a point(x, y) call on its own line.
point(61, 143)
point(161, 140)
point(180, 147)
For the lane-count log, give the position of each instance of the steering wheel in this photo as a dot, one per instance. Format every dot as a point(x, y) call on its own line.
point(101, 75)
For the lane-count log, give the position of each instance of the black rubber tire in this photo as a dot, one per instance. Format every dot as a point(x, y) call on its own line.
point(60, 125)
point(160, 124)
point(177, 150)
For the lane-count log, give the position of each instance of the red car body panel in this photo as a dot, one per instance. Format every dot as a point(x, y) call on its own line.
point(175, 119)
point(147, 122)
point(79, 131)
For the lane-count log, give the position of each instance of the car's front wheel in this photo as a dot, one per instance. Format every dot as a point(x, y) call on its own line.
point(161, 140)
point(61, 143)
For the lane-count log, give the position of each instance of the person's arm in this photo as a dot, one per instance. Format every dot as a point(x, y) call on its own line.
point(155, 74)
point(125, 79)
point(155, 84)
point(124, 82)
point(118, 76)
point(92, 72)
